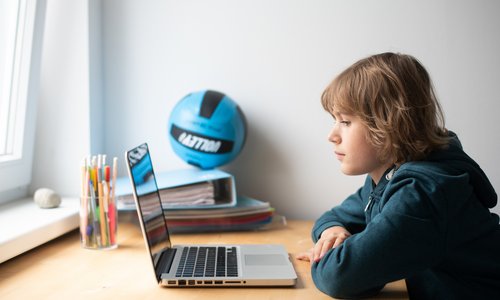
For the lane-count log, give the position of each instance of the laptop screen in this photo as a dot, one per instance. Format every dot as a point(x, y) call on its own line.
point(148, 200)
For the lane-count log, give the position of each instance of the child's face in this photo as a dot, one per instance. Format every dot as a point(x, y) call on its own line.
point(356, 154)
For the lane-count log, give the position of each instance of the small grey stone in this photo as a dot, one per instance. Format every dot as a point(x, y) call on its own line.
point(47, 198)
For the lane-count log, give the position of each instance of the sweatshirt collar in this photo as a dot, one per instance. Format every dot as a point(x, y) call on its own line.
point(388, 174)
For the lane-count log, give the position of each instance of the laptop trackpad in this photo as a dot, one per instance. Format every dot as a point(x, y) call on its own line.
point(265, 260)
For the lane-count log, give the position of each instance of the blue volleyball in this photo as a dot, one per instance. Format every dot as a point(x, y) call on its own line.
point(207, 129)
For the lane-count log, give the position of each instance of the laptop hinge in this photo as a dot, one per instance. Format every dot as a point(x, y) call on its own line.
point(165, 262)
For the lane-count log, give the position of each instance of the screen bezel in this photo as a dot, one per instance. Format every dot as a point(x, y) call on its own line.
point(133, 157)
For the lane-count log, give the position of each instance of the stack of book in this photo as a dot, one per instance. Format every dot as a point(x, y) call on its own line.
point(204, 201)
point(192, 195)
point(202, 193)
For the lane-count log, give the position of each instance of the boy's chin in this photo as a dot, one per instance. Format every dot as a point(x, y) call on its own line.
point(350, 171)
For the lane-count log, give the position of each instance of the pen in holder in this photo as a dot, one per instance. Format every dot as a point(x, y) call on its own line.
point(98, 214)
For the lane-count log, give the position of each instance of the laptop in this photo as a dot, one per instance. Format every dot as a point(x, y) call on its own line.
point(209, 265)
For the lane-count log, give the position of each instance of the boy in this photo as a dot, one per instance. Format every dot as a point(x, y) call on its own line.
point(423, 212)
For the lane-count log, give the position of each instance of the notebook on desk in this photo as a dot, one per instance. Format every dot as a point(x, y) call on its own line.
point(199, 265)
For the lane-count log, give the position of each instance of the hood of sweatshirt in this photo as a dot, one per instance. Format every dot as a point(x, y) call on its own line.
point(456, 158)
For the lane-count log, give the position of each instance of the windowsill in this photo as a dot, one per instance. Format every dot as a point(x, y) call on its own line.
point(24, 226)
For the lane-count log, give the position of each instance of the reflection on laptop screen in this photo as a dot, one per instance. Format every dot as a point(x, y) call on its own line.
point(148, 199)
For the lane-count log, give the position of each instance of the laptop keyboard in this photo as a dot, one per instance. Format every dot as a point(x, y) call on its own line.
point(208, 262)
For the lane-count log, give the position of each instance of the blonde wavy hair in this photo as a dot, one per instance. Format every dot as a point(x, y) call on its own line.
point(394, 97)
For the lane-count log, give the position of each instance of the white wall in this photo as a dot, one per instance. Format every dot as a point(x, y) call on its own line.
point(274, 58)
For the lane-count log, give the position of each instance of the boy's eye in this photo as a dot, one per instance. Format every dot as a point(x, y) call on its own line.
point(341, 122)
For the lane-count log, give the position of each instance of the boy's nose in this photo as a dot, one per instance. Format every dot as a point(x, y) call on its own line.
point(334, 137)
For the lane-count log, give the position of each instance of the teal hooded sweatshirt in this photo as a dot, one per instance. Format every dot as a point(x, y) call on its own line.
point(427, 222)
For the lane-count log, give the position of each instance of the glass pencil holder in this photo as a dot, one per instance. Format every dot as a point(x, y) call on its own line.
point(98, 222)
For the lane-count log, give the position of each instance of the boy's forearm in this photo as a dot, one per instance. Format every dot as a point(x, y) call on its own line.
point(338, 216)
point(338, 277)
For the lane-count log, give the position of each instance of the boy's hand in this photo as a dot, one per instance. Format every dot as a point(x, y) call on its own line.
point(330, 238)
point(306, 256)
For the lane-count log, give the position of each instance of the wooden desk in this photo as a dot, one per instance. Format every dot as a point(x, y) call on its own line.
point(61, 269)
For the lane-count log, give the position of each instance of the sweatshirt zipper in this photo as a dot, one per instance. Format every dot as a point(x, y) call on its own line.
point(370, 198)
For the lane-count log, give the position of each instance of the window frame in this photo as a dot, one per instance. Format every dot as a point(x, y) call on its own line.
point(16, 169)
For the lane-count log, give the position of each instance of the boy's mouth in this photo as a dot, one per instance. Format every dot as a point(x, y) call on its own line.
point(339, 155)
